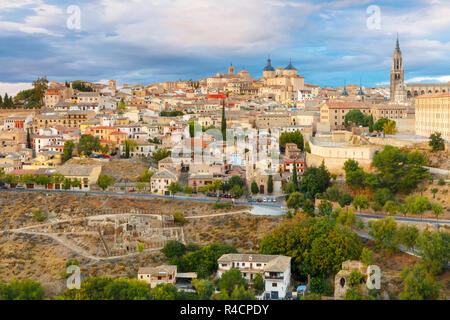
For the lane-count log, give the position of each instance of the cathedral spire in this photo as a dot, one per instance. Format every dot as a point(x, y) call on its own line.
point(397, 46)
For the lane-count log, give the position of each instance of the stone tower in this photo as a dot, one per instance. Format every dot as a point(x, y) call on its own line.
point(398, 89)
point(231, 69)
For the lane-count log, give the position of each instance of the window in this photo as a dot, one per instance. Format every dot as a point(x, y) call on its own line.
point(274, 284)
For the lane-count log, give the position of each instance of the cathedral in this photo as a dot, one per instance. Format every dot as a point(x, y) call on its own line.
point(401, 91)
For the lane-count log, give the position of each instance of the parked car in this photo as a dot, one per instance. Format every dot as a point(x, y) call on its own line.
point(259, 200)
point(20, 187)
point(265, 199)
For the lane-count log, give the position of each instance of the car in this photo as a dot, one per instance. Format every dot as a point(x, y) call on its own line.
point(20, 187)
point(132, 190)
point(3, 187)
point(265, 199)
point(259, 200)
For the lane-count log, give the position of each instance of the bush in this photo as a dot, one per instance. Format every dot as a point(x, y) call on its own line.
point(179, 217)
point(367, 257)
point(321, 286)
point(38, 215)
point(441, 182)
point(222, 205)
point(385, 232)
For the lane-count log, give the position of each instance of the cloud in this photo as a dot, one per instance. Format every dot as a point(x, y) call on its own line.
point(438, 79)
point(13, 88)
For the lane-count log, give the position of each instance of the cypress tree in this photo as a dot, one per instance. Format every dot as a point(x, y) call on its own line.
point(270, 184)
point(294, 177)
point(224, 123)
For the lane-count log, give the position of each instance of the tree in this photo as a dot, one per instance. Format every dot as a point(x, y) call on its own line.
point(254, 188)
point(204, 288)
point(88, 144)
point(434, 249)
point(26, 289)
point(173, 249)
point(436, 142)
point(385, 232)
point(174, 188)
point(230, 280)
point(129, 146)
point(237, 191)
point(437, 210)
point(288, 188)
point(291, 137)
point(381, 196)
point(317, 245)
point(69, 146)
point(28, 137)
point(391, 207)
point(270, 184)
point(418, 285)
point(224, 123)
point(104, 181)
point(418, 205)
point(295, 200)
point(325, 208)
point(140, 186)
point(355, 117)
point(367, 257)
point(240, 293)
point(188, 189)
point(360, 202)
point(146, 176)
point(42, 180)
point(355, 176)
point(434, 191)
point(39, 86)
point(161, 154)
point(320, 286)
point(179, 217)
point(389, 127)
point(121, 106)
point(308, 207)
point(407, 235)
point(345, 200)
point(378, 126)
point(165, 291)
point(258, 283)
point(294, 177)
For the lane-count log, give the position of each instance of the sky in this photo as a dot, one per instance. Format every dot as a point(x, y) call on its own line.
point(148, 41)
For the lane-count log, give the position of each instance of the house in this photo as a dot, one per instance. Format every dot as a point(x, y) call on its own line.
point(162, 179)
point(275, 270)
point(165, 274)
point(87, 175)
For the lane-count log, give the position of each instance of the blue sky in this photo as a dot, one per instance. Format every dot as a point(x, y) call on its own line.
point(147, 41)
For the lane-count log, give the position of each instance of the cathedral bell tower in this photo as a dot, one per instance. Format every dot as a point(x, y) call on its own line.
point(398, 89)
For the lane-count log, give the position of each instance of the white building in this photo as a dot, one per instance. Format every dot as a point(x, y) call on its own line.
point(275, 270)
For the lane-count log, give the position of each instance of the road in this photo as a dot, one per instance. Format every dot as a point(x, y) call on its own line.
point(260, 208)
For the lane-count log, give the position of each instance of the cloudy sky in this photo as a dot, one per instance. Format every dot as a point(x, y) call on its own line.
point(147, 41)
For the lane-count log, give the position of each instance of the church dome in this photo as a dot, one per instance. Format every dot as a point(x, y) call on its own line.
point(269, 67)
point(290, 66)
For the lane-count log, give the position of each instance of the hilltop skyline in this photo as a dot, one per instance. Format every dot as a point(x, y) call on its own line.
point(329, 43)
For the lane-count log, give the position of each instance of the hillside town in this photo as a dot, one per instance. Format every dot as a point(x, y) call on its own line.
point(283, 155)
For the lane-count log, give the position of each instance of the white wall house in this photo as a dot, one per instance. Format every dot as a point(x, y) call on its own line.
point(275, 270)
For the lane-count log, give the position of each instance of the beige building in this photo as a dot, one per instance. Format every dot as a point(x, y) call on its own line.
point(165, 274)
point(433, 114)
point(334, 112)
point(162, 179)
point(86, 174)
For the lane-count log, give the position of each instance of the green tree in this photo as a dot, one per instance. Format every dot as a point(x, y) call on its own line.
point(378, 126)
point(355, 117)
point(204, 288)
point(418, 205)
point(360, 202)
point(165, 291)
point(385, 232)
point(88, 144)
point(436, 142)
point(230, 280)
point(104, 181)
point(345, 200)
point(389, 127)
point(258, 284)
point(407, 235)
point(367, 257)
point(288, 188)
point(237, 191)
point(146, 176)
point(295, 200)
point(129, 146)
point(381, 196)
point(38, 215)
point(254, 188)
point(291, 137)
point(437, 210)
point(325, 208)
point(161, 154)
point(320, 286)
point(179, 217)
point(240, 293)
point(294, 177)
point(418, 285)
point(224, 123)
point(434, 249)
point(188, 189)
point(174, 188)
point(308, 207)
point(391, 207)
point(270, 184)
point(26, 289)
point(434, 191)
point(173, 249)
point(69, 146)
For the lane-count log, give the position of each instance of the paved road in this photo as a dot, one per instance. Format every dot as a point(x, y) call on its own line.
point(260, 208)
